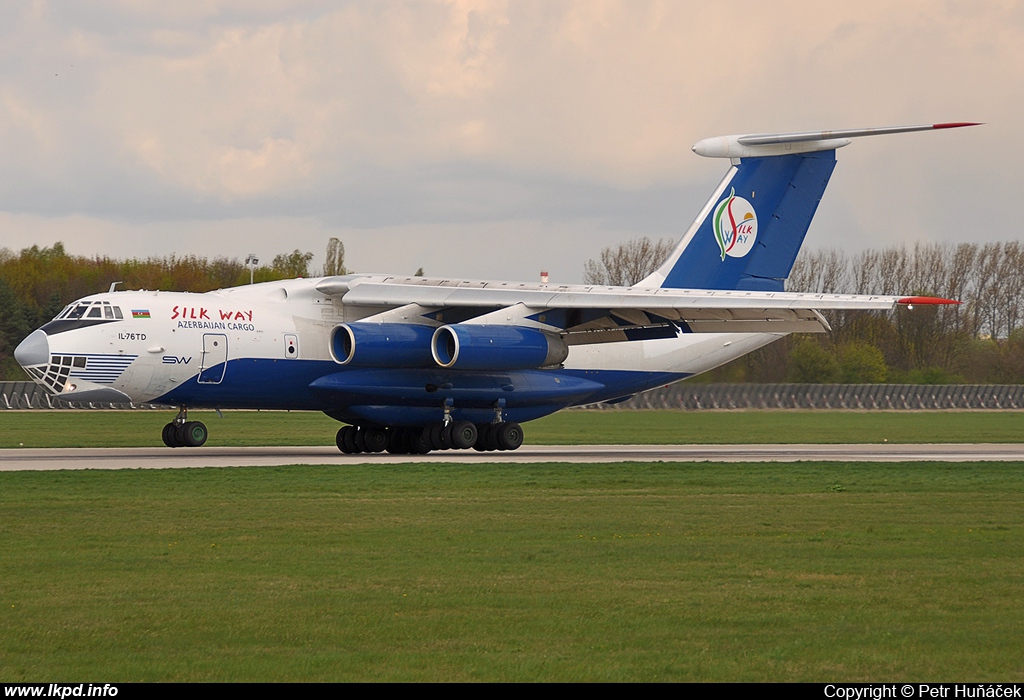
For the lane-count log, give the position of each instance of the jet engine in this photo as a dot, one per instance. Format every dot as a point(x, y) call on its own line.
point(486, 347)
point(382, 345)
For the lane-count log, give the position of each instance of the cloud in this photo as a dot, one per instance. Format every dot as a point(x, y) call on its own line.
point(474, 113)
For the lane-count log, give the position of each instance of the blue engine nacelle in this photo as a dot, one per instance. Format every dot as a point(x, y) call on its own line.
point(382, 345)
point(471, 346)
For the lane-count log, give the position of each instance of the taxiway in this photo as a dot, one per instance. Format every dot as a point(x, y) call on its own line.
point(38, 459)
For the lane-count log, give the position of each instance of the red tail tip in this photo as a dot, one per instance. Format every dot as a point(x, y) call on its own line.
point(955, 125)
point(927, 300)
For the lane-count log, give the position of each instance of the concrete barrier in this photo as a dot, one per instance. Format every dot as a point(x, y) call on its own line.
point(861, 397)
point(695, 397)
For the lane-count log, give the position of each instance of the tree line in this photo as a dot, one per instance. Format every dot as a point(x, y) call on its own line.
point(980, 340)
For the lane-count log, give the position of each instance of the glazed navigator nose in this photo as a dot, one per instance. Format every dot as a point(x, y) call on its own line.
point(33, 350)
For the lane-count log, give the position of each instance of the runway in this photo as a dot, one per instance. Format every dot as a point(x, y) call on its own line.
point(33, 459)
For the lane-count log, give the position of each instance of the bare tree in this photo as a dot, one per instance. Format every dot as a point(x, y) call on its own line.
point(825, 271)
point(958, 283)
point(986, 288)
point(335, 261)
point(893, 271)
point(627, 263)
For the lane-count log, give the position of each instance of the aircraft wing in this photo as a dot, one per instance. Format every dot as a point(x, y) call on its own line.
point(593, 314)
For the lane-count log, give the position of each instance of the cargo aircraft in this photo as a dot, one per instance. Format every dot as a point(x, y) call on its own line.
point(413, 364)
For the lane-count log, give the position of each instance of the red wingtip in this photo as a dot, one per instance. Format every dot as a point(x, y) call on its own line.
point(955, 125)
point(927, 300)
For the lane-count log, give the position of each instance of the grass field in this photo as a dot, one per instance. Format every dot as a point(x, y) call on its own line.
point(142, 428)
point(629, 572)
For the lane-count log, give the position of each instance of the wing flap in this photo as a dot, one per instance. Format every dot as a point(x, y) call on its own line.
point(594, 335)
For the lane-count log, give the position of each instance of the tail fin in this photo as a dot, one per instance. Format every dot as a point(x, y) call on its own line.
point(750, 231)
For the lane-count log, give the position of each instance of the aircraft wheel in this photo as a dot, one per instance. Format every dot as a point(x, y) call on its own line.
point(407, 438)
point(436, 432)
point(195, 434)
point(510, 436)
point(359, 438)
point(349, 439)
point(375, 439)
point(463, 435)
point(491, 438)
point(339, 439)
point(170, 435)
point(396, 441)
point(446, 436)
point(481, 437)
point(420, 443)
point(179, 434)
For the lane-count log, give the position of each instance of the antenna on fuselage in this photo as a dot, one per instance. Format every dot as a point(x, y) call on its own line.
point(113, 287)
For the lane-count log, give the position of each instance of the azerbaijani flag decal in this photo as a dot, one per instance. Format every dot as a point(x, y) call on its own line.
point(140, 313)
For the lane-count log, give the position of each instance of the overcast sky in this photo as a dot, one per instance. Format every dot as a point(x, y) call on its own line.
point(488, 139)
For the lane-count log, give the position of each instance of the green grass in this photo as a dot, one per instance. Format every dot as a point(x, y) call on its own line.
point(628, 572)
point(755, 427)
point(142, 428)
point(64, 428)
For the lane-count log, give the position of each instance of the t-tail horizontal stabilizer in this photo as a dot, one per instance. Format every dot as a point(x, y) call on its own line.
point(748, 234)
point(757, 145)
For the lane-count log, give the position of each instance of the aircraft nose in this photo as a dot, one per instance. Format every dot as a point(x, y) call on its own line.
point(33, 350)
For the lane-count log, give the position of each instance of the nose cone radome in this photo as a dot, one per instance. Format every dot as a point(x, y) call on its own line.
point(33, 350)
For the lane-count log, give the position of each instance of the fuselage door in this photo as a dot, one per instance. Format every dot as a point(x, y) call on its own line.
point(291, 345)
point(214, 359)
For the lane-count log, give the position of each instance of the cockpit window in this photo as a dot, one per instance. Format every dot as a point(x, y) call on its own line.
point(96, 309)
point(78, 312)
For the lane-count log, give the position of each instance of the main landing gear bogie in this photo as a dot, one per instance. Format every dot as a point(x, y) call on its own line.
point(182, 432)
point(455, 435)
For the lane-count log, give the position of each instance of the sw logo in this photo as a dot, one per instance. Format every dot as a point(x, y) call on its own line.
point(735, 226)
point(172, 360)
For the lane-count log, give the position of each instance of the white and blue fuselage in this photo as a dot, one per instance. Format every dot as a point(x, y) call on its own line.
point(266, 346)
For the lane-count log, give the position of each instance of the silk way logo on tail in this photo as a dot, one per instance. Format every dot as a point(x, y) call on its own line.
point(735, 226)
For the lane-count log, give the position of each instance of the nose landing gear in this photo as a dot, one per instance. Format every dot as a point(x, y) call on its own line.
point(181, 432)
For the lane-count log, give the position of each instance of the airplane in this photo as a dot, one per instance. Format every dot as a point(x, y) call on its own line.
point(414, 364)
